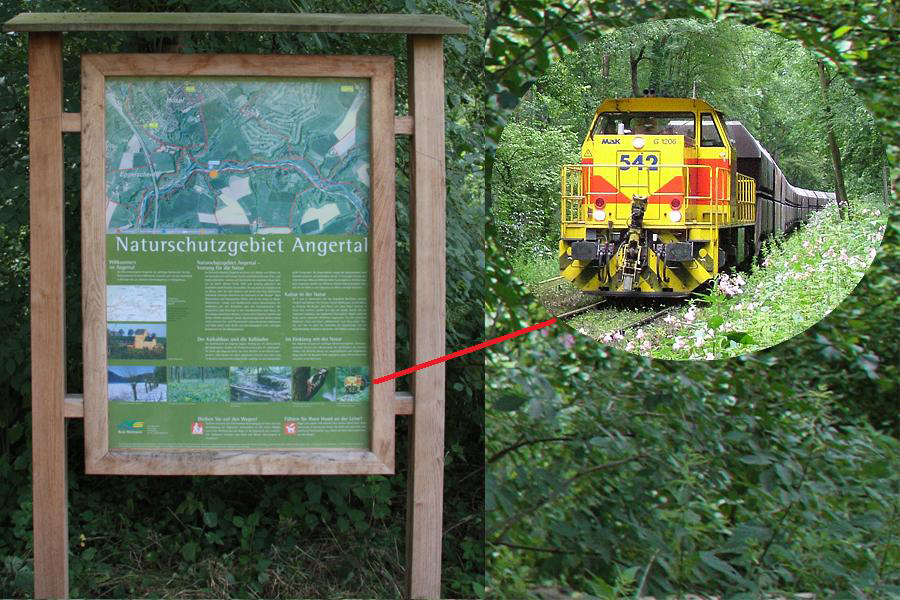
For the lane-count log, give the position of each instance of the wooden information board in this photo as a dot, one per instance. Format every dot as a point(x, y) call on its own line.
point(238, 233)
point(51, 404)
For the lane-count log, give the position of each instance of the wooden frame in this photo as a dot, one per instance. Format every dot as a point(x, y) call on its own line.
point(51, 405)
point(99, 459)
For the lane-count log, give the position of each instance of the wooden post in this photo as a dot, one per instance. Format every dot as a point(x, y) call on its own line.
point(48, 373)
point(428, 289)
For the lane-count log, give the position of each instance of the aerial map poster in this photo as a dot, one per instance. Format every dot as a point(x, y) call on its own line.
point(237, 262)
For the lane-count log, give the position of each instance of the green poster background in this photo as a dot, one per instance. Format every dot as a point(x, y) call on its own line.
point(238, 262)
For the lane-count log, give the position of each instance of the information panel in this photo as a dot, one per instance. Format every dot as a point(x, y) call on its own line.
point(237, 262)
